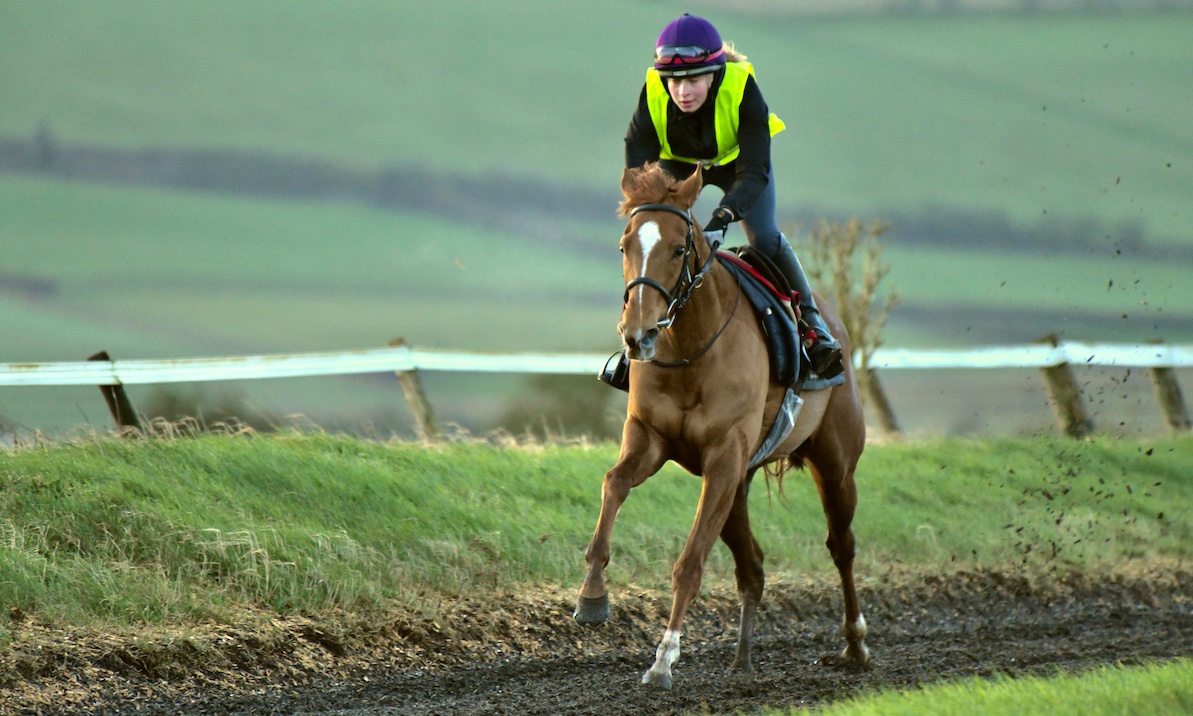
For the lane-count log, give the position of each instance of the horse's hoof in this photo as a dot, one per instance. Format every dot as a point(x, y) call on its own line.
point(654, 678)
point(592, 611)
point(857, 657)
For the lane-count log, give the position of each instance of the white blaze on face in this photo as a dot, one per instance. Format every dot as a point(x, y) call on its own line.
point(648, 236)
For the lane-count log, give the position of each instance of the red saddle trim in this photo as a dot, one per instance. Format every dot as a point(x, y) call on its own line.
point(749, 268)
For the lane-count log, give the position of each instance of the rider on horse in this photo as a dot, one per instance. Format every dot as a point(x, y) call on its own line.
point(701, 105)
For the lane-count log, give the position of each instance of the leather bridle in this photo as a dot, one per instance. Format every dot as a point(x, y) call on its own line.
point(687, 282)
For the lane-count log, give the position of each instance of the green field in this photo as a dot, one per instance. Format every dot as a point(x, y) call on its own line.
point(1036, 121)
point(1016, 113)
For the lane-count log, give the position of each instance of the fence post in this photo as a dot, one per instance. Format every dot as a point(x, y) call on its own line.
point(877, 397)
point(1168, 392)
point(1065, 396)
point(416, 399)
point(119, 405)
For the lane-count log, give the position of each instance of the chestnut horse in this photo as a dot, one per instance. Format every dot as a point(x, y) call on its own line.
point(700, 396)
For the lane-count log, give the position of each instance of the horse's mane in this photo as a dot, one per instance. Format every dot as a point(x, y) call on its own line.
point(648, 184)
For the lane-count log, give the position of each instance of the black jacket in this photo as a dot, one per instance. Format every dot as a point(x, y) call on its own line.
point(694, 135)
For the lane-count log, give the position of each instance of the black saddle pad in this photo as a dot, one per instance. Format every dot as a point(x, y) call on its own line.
point(772, 305)
point(767, 289)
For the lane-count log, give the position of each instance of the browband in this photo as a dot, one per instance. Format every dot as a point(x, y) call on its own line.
point(662, 207)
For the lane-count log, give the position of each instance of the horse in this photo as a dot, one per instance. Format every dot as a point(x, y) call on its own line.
point(700, 395)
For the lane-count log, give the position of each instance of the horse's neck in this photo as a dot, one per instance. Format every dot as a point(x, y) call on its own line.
point(704, 315)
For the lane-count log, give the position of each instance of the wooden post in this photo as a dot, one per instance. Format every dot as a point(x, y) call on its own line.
point(119, 405)
point(876, 395)
point(1168, 392)
point(1065, 396)
point(416, 399)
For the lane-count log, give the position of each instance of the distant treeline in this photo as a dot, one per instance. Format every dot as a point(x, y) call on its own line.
point(507, 202)
point(406, 187)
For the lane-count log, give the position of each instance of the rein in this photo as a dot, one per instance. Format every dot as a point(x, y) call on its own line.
point(687, 282)
point(702, 351)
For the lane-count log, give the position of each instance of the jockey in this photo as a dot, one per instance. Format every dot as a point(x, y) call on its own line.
point(701, 105)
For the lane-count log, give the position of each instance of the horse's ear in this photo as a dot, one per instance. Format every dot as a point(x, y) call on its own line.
point(689, 190)
point(628, 181)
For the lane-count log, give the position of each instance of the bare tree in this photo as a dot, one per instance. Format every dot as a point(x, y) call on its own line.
point(845, 264)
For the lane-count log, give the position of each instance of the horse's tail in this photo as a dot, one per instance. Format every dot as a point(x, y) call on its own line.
point(792, 462)
point(778, 469)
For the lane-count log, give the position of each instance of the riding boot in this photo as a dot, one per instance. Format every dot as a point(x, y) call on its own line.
point(824, 352)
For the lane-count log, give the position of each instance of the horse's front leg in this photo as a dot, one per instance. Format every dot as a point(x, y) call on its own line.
point(723, 470)
point(641, 456)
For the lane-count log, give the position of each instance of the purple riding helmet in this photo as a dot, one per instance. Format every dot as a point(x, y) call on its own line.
point(688, 46)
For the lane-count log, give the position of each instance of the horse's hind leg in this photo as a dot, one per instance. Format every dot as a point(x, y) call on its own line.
point(747, 556)
point(838, 494)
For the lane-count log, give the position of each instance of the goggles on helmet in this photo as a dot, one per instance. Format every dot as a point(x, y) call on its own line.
point(684, 55)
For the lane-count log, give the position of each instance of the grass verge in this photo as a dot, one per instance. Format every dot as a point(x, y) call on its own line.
point(185, 530)
point(1152, 689)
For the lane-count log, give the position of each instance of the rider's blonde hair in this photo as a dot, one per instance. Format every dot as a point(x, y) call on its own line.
point(731, 53)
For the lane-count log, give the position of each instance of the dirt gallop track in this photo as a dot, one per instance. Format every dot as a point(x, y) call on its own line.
point(521, 654)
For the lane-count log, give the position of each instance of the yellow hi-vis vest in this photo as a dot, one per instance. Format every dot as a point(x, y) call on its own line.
point(726, 115)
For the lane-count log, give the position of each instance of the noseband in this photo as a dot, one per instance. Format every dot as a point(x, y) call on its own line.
point(687, 282)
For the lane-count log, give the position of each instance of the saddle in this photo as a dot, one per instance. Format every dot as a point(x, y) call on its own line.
point(761, 267)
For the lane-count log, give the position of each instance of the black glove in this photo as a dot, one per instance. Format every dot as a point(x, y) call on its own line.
point(722, 217)
point(714, 232)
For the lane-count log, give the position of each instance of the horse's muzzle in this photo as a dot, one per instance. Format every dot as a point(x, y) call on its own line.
point(640, 345)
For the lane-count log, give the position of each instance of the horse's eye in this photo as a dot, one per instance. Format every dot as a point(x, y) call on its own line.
point(678, 253)
point(621, 250)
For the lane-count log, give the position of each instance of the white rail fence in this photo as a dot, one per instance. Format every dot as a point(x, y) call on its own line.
point(1054, 360)
point(405, 358)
